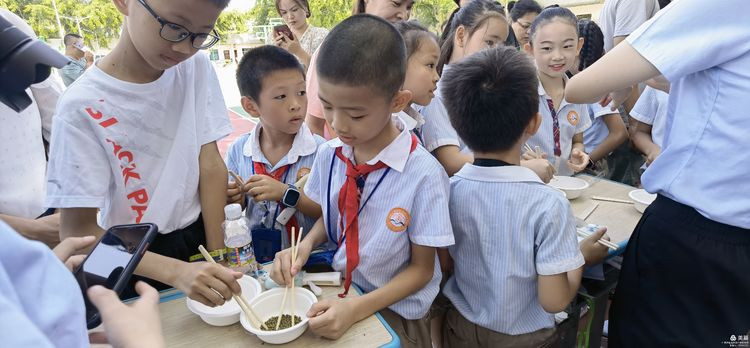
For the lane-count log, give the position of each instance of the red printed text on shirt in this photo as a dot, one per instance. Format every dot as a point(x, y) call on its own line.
point(137, 195)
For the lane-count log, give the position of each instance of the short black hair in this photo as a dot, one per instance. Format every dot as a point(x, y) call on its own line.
point(364, 50)
point(552, 13)
point(491, 96)
point(522, 7)
point(68, 39)
point(413, 32)
point(260, 62)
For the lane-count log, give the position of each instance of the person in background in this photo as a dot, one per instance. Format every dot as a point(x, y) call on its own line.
point(392, 11)
point(554, 44)
point(305, 37)
point(607, 130)
point(24, 158)
point(522, 14)
point(80, 59)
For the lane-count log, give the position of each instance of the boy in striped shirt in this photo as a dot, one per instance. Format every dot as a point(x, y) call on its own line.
point(516, 257)
point(384, 197)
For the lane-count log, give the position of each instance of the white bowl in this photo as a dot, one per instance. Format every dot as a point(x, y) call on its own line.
point(268, 304)
point(572, 187)
point(229, 312)
point(642, 199)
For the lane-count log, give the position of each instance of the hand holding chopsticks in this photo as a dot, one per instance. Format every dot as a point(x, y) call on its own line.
point(241, 301)
point(601, 241)
point(295, 249)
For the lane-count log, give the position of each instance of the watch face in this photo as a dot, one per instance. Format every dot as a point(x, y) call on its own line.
point(291, 198)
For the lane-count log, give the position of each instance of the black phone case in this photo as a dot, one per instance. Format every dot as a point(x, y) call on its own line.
point(128, 271)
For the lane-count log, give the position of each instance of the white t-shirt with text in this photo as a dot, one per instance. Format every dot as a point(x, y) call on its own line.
point(131, 149)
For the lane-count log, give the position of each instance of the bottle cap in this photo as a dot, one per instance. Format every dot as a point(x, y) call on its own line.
point(233, 211)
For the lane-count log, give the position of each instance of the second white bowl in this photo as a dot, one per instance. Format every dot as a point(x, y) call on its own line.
point(571, 186)
point(641, 199)
point(229, 312)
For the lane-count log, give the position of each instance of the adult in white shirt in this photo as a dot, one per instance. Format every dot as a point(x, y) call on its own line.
point(684, 280)
point(619, 18)
point(23, 156)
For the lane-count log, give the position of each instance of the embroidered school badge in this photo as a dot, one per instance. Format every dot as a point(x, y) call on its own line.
point(398, 220)
point(573, 117)
point(302, 172)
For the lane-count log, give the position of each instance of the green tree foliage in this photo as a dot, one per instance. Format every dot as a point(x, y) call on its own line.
point(100, 21)
point(328, 13)
point(232, 22)
point(263, 10)
point(433, 13)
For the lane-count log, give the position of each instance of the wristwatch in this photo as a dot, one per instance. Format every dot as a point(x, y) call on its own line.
point(291, 197)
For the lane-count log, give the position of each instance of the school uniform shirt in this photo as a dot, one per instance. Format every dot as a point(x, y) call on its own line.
point(132, 150)
point(22, 135)
point(651, 109)
point(598, 132)
point(413, 121)
point(572, 119)
point(438, 130)
point(41, 304)
point(410, 205)
point(622, 17)
point(246, 150)
point(704, 162)
point(504, 243)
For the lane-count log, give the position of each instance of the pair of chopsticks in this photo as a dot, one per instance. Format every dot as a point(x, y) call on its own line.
point(604, 242)
point(295, 250)
point(537, 152)
point(610, 199)
point(251, 316)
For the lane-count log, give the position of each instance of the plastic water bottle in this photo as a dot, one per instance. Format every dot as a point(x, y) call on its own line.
point(238, 240)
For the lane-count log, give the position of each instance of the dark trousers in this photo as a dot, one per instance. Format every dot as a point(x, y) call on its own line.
point(179, 244)
point(685, 281)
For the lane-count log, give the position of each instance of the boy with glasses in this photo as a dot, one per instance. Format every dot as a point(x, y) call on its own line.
point(135, 139)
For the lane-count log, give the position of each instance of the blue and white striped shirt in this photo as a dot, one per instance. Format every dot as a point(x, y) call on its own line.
point(410, 205)
point(572, 119)
point(509, 229)
point(438, 130)
point(301, 156)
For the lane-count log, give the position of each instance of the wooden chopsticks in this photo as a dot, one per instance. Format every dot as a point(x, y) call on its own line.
point(251, 316)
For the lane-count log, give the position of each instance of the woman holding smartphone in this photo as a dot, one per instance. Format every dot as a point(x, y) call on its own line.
point(297, 36)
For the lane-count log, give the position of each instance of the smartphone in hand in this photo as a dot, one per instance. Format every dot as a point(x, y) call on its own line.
point(112, 262)
point(283, 29)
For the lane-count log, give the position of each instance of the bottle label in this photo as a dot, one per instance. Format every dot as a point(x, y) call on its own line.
point(241, 257)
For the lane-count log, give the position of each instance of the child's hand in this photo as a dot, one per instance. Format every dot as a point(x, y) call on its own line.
point(594, 253)
point(578, 160)
point(265, 188)
point(69, 246)
point(207, 283)
point(332, 318)
point(651, 155)
point(283, 270)
point(234, 193)
point(541, 167)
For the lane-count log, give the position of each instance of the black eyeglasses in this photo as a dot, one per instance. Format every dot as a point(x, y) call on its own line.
point(173, 32)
